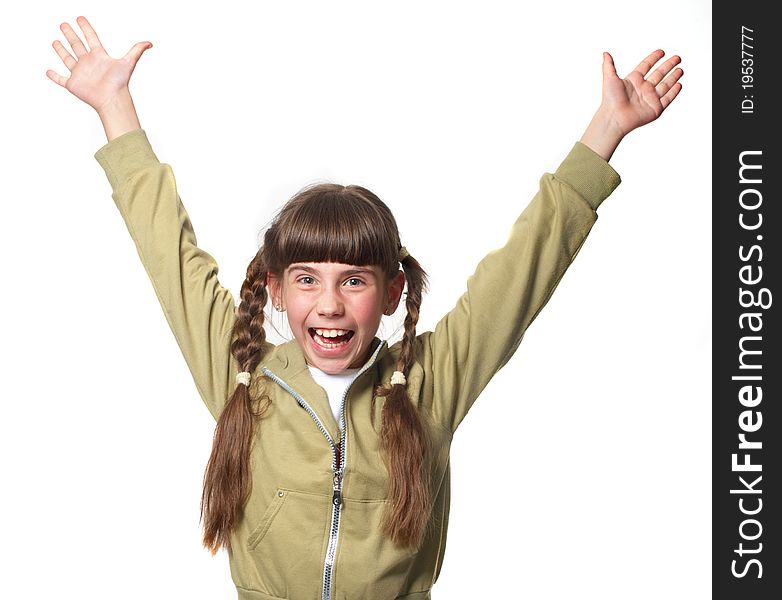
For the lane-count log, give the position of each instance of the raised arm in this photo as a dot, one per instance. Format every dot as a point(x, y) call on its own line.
point(511, 285)
point(199, 310)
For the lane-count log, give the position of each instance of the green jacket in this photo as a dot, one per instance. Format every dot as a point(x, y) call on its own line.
point(294, 541)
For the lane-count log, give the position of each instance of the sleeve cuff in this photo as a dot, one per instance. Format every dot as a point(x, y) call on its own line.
point(589, 174)
point(125, 155)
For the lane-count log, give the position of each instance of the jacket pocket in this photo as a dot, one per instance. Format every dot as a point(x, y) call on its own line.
point(287, 545)
point(267, 518)
point(368, 565)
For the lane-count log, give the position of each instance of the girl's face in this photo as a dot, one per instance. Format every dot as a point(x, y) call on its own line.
point(334, 309)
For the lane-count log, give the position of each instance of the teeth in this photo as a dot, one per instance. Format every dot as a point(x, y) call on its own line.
point(331, 332)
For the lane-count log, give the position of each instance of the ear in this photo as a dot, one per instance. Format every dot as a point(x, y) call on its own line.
point(394, 292)
point(274, 285)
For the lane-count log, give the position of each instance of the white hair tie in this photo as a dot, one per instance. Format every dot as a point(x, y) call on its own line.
point(398, 378)
point(243, 377)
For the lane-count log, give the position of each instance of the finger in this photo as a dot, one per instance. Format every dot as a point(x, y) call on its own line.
point(647, 63)
point(670, 95)
point(66, 56)
point(661, 71)
point(73, 40)
point(56, 77)
point(665, 85)
point(89, 33)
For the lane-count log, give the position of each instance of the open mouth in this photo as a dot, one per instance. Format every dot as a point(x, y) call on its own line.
point(330, 338)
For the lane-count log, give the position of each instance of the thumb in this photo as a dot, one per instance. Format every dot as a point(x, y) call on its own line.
point(609, 70)
point(136, 51)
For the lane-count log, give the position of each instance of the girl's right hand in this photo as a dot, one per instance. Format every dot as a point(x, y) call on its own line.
point(96, 78)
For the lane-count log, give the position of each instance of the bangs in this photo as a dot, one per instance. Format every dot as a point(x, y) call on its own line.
point(336, 224)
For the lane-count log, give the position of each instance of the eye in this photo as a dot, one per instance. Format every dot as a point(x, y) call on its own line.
point(354, 282)
point(306, 280)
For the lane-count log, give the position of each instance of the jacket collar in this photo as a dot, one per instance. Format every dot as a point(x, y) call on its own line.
point(287, 362)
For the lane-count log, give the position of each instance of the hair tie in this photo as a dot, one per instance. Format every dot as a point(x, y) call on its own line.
point(243, 377)
point(403, 253)
point(398, 378)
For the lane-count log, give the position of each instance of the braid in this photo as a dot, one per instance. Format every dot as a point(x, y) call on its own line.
point(416, 285)
point(228, 480)
point(403, 435)
point(248, 329)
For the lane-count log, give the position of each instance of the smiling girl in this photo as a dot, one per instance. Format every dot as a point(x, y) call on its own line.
point(329, 475)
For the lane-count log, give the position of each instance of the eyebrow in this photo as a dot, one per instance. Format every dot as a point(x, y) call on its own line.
point(354, 271)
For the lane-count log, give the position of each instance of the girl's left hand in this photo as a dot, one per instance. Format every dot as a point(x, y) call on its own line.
point(636, 100)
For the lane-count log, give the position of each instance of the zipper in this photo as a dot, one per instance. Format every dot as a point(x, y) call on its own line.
point(337, 465)
point(336, 498)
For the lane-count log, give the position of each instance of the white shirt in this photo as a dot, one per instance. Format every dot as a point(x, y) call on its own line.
point(334, 385)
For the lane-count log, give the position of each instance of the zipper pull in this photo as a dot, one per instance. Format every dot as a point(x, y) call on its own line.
point(337, 497)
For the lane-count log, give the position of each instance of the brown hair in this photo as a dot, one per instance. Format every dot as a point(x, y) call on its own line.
point(323, 223)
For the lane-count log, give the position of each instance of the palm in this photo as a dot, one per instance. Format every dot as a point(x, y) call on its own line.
point(96, 78)
point(637, 100)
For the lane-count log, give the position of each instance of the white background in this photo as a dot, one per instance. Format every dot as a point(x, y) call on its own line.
point(583, 471)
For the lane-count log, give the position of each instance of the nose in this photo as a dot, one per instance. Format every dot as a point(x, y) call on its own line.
point(330, 303)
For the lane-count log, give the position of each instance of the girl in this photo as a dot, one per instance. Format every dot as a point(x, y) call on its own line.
point(329, 474)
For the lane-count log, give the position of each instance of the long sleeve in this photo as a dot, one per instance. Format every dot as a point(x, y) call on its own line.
point(512, 284)
point(199, 310)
